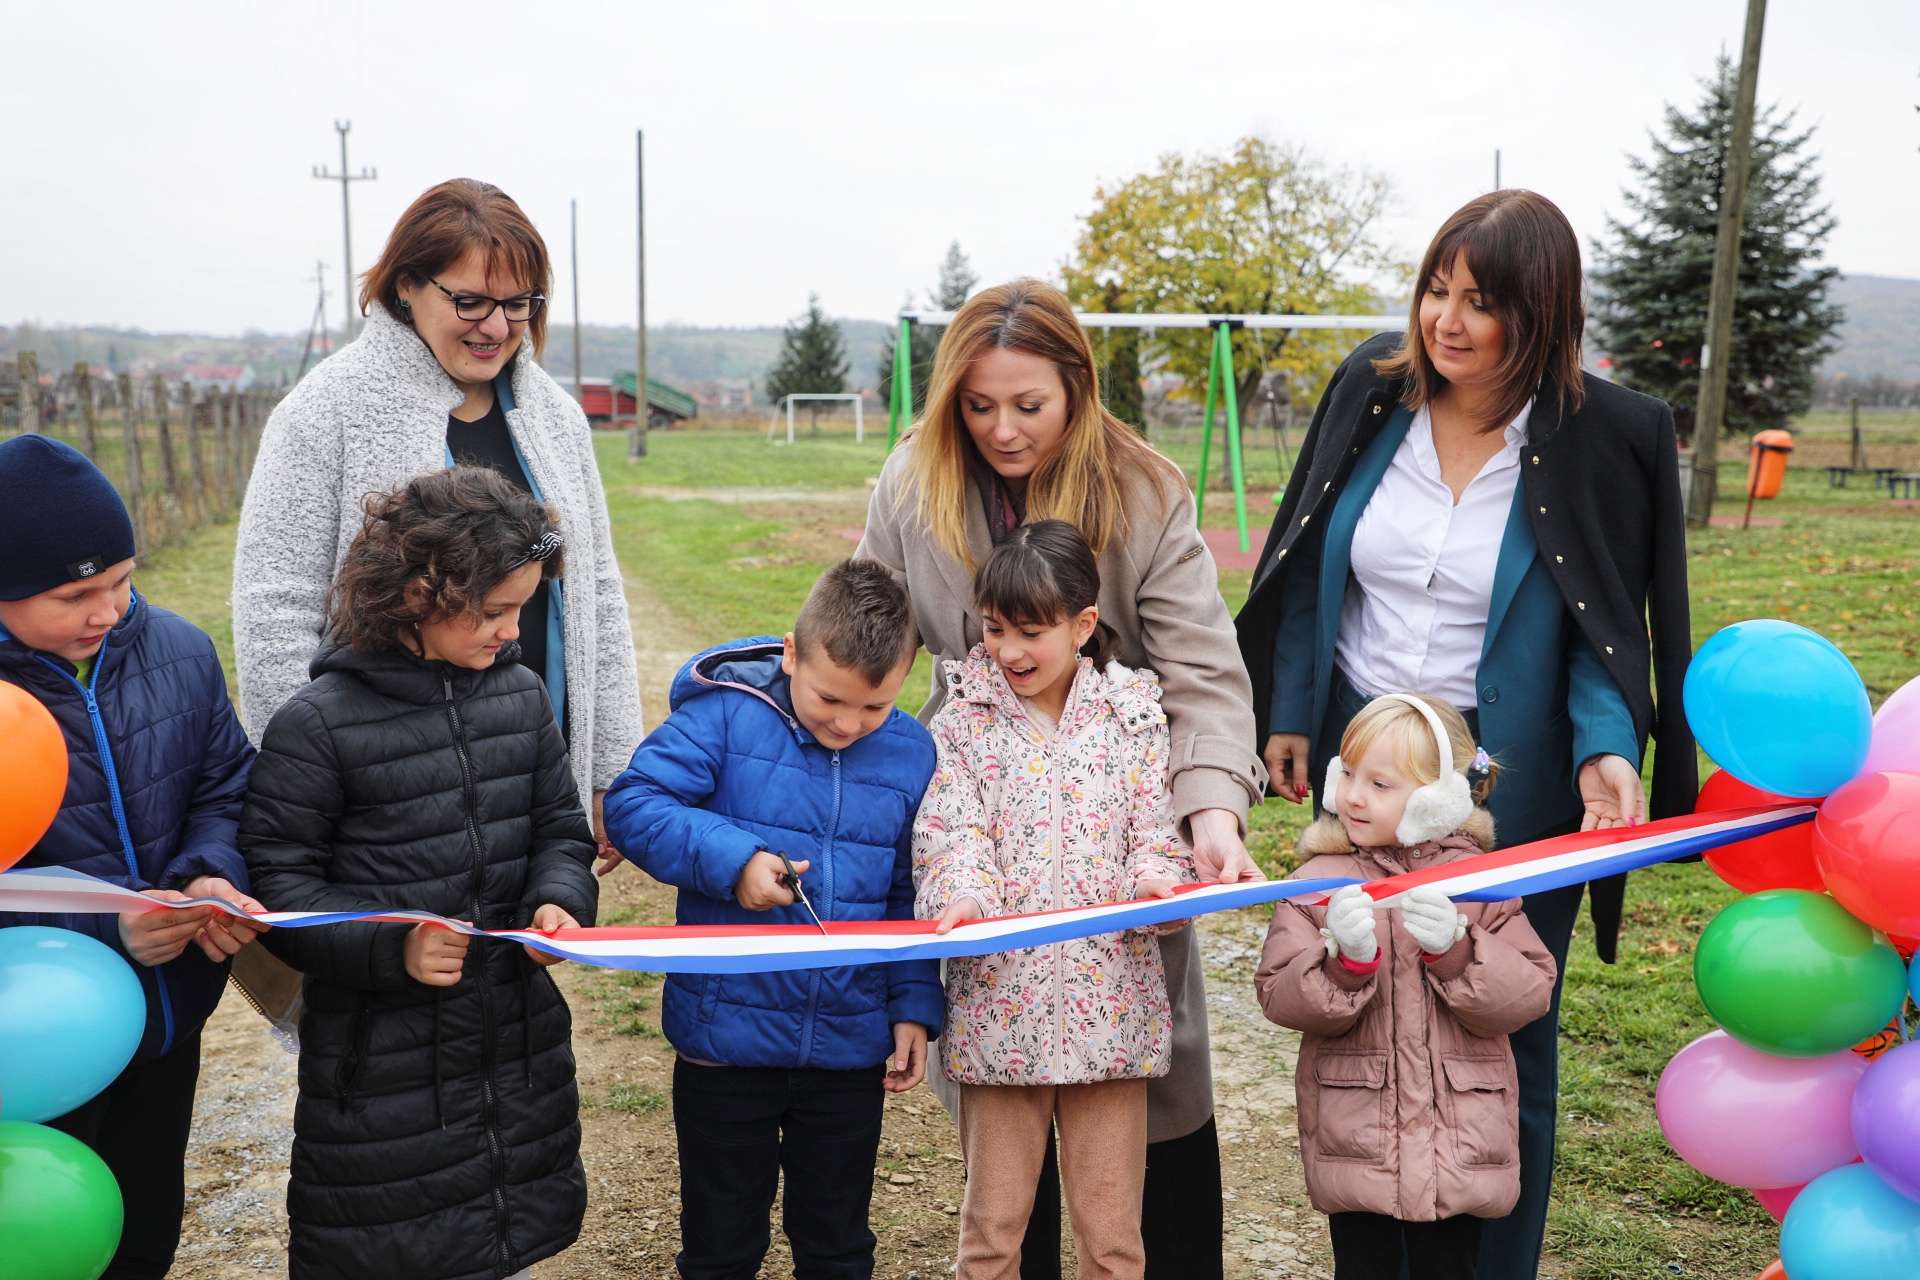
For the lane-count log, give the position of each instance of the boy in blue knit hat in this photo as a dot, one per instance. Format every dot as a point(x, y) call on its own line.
point(156, 775)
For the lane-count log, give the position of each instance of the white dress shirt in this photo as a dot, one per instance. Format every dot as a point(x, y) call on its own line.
point(1415, 614)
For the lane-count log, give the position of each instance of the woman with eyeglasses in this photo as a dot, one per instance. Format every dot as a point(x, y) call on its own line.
point(444, 371)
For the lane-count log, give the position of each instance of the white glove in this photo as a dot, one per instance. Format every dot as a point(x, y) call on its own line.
point(1430, 917)
point(1350, 925)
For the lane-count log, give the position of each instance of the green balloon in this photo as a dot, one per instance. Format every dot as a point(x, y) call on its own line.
point(60, 1208)
point(1789, 972)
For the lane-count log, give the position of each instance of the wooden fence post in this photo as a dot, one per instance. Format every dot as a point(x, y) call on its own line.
point(169, 474)
point(83, 393)
point(29, 363)
point(136, 485)
point(217, 406)
point(197, 473)
point(249, 431)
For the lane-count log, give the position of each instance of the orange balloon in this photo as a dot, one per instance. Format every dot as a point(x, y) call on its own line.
point(1777, 860)
point(1774, 1272)
point(33, 761)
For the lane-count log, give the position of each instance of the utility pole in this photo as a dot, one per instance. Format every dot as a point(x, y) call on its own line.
point(316, 328)
point(573, 217)
point(1715, 356)
point(1496, 170)
point(637, 438)
point(345, 178)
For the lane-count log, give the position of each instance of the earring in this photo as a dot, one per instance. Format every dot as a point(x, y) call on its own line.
point(403, 302)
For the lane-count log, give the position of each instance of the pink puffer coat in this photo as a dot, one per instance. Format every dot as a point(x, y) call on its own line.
point(1408, 1096)
point(1025, 820)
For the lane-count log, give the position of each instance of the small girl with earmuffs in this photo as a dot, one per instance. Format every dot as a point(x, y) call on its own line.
point(1407, 1094)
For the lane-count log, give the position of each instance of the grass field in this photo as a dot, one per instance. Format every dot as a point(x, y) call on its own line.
point(1843, 562)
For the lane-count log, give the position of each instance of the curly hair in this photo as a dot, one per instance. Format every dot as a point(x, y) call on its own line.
point(435, 548)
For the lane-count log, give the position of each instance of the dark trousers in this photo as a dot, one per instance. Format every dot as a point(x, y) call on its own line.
point(1372, 1246)
point(739, 1129)
point(1182, 1218)
point(138, 1126)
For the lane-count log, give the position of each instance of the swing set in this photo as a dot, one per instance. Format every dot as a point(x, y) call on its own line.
point(1220, 384)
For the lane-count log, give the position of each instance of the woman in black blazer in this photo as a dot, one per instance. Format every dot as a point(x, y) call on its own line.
point(1550, 648)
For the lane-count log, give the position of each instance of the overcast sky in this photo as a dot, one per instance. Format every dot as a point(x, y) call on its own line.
point(157, 158)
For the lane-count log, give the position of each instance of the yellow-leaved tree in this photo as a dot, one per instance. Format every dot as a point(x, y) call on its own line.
point(1263, 229)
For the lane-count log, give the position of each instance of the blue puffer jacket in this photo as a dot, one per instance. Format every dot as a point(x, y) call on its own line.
point(732, 772)
point(157, 770)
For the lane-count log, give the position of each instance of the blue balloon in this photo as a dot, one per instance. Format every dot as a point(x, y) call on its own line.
point(71, 1015)
point(1779, 707)
point(1848, 1224)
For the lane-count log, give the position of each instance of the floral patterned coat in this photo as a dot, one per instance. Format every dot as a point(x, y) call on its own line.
point(1025, 820)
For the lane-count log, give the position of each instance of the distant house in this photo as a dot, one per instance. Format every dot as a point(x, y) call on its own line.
point(219, 377)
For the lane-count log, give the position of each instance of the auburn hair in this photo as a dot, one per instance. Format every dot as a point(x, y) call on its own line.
point(445, 224)
point(1101, 466)
point(1525, 261)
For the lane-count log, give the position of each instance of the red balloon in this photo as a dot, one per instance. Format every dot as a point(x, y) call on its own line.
point(33, 760)
point(1775, 1271)
point(1776, 1201)
point(1864, 841)
point(1777, 860)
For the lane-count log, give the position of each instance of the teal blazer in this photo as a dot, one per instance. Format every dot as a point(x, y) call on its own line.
point(1546, 703)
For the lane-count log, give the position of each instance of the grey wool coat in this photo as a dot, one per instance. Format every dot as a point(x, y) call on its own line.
point(1160, 592)
point(367, 419)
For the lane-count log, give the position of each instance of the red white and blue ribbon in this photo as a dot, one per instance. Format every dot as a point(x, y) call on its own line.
point(1492, 877)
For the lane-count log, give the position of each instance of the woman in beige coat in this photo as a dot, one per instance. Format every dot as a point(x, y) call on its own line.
point(1014, 430)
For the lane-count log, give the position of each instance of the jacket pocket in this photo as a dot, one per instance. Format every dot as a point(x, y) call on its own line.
point(1352, 1123)
point(1485, 1128)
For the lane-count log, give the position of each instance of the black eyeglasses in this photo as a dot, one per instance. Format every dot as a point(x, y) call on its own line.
point(474, 308)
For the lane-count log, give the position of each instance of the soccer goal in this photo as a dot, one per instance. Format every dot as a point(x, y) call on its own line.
point(859, 413)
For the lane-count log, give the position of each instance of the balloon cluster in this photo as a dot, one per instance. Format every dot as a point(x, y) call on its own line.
point(71, 1015)
point(1809, 1094)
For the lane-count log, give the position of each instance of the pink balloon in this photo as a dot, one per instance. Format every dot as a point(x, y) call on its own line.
point(1777, 1200)
point(1896, 732)
point(1754, 1120)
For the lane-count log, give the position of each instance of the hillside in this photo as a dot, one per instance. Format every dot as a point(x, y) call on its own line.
point(1881, 336)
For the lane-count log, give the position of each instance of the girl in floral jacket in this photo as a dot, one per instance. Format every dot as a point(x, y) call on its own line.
point(1050, 792)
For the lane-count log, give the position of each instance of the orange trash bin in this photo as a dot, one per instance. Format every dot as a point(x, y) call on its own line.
point(1767, 464)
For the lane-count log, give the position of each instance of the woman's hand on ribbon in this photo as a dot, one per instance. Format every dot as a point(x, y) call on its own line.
point(435, 955)
point(1611, 790)
point(549, 919)
point(908, 1065)
point(1219, 854)
point(1286, 757)
point(958, 911)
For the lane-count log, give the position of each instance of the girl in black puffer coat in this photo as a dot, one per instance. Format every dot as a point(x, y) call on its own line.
point(437, 1131)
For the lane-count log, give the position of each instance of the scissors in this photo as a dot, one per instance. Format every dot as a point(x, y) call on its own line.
point(792, 880)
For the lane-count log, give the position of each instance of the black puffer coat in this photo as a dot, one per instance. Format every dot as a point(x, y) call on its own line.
point(437, 1131)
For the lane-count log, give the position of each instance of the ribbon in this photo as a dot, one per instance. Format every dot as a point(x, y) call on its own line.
point(1492, 877)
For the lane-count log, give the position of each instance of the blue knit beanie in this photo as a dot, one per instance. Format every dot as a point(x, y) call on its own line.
point(61, 519)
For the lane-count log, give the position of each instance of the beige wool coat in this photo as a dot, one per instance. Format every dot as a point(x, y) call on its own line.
point(1160, 592)
point(1408, 1097)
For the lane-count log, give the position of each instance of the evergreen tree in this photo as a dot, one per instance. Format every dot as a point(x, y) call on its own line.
point(1653, 279)
point(813, 358)
point(956, 282)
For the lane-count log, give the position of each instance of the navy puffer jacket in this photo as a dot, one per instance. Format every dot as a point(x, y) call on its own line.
point(156, 773)
point(731, 772)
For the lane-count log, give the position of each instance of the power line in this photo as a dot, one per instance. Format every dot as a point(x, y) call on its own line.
point(344, 178)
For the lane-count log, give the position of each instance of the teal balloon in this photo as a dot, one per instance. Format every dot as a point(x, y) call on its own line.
point(1779, 707)
point(71, 1016)
point(60, 1210)
point(1789, 972)
point(1849, 1225)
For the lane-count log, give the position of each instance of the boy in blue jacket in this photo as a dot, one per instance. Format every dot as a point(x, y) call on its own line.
point(157, 770)
point(788, 746)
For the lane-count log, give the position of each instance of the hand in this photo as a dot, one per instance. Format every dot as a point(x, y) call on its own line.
point(1610, 788)
point(1286, 757)
point(609, 856)
point(1148, 889)
point(224, 935)
point(1219, 854)
point(547, 920)
point(1430, 916)
point(908, 1066)
point(759, 887)
point(1350, 924)
point(959, 910)
point(436, 955)
point(155, 937)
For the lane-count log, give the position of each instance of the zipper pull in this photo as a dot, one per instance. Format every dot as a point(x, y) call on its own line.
point(446, 682)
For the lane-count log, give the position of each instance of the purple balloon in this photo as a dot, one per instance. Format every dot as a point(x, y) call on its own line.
point(1754, 1120)
point(1886, 1119)
point(1896, 732)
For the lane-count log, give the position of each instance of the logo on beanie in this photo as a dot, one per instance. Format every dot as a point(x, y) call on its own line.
point(88, 568)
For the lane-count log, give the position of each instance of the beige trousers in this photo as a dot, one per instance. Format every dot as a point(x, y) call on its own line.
point(1103, 1167)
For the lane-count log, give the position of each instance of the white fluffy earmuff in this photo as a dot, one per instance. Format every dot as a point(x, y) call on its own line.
point(1438, 808)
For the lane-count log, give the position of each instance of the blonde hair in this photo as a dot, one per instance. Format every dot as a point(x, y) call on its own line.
point(1101, 464)
point(1413, 746)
